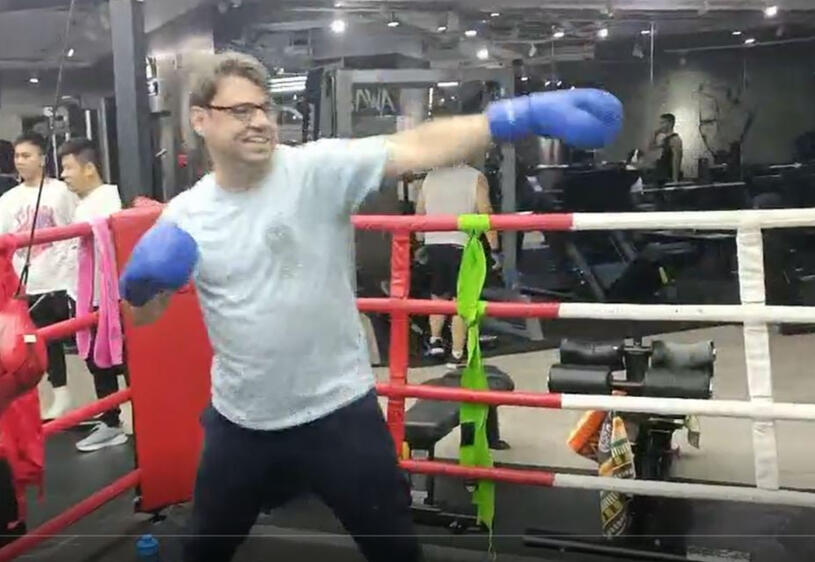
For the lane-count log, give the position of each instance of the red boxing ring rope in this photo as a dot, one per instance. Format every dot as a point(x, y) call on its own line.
point(58, 331)
point(70, 516)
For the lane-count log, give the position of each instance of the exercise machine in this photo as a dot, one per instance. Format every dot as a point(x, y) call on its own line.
point(662, 370)
point(599, 266)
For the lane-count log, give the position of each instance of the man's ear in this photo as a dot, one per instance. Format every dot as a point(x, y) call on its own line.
point(197, 117)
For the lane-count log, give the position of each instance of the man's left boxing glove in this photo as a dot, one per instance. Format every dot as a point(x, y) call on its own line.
point(584, 118)
point(163, 260)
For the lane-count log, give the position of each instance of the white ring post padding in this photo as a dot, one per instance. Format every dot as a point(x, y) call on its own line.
point(750, 252)
point(685, 490)
point(759, 410)
point(695, 220)
point(718, 313)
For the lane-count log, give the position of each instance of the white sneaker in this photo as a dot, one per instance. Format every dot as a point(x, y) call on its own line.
point(61, 404)
point(436, 348)
point(100, 437)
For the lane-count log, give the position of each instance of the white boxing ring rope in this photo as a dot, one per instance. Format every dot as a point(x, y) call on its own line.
point(753, 313)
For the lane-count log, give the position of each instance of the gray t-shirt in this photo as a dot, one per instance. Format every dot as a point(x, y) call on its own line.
point(276, 283)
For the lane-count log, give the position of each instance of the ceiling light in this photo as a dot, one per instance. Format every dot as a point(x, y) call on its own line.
point(645, 32)
point(471, 33)
point(483, 54)
point(447, 84)
point(288, 89)
point(393, 22)
point(750, 41)
point(70, 52)
point(338, 4)
point(558, 34)
point(559, 83)
point(33, 80)
point(338, 26)
point(736, 33)
point(442, 28)
point(524, 78)
point(495, 14)
point(602, 33)
point(771, 11)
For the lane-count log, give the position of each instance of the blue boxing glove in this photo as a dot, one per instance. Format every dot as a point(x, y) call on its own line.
point(163, 260)
point(584, 118)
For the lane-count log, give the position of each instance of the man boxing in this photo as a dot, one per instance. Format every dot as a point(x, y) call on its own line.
point(268, 241)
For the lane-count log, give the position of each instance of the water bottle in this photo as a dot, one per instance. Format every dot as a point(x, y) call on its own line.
point(147, 547)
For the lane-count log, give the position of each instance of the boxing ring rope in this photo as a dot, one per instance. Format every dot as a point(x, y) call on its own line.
point(57, 331)
point(753, 313)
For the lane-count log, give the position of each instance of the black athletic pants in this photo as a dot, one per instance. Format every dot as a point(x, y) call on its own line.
point(47, 309)
point(346, 458)
point(105, 382)
point(8, 506)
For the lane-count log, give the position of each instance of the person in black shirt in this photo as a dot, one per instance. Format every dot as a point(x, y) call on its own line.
point(668, 147)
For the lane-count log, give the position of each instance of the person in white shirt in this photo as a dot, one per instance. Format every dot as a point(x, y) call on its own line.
point(456, 190)
point(52, 265)
point(80, 170)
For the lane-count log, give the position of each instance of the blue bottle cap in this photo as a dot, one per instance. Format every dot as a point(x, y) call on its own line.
point(147, 545)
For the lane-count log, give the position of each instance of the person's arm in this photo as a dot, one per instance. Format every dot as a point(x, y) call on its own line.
point(583, 118)
point(437, 143)
point(421, 209)
point(151, 311)
point(5, 222)
point(421, 205)
point(484, 207)
point(676, 150)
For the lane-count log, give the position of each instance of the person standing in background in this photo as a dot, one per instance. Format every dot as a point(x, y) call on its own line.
point(53, 265)
point(457, 190)
point(667, 145)
point(81, 172)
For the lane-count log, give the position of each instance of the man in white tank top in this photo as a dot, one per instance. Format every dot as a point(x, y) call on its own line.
point(456, 190)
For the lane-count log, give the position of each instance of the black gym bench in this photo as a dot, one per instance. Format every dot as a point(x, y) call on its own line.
point(426, 423)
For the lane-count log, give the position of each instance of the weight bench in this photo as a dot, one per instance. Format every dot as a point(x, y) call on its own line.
point(428, 421)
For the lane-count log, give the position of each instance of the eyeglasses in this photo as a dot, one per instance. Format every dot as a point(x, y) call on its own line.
point(244, 112)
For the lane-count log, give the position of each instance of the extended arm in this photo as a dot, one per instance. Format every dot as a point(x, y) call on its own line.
point(437, 143)
point(583, 118)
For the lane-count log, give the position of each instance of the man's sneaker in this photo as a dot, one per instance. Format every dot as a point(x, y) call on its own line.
point(436, 348)
point(61, 404)
point(100, 437)
point(457, 361)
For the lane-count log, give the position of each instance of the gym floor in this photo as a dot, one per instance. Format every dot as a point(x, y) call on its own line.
point(537, 438)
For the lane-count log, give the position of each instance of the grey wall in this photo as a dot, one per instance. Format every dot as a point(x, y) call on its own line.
point(778, 83)
point(177, 48)
point(20, 99)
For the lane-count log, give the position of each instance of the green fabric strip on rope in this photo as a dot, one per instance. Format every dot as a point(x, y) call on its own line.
point(474, 449)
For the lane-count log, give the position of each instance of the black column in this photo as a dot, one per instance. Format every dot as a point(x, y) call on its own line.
point(132, 107)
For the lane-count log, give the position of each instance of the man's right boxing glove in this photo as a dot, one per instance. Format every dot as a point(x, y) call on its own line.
point(163, 260)
point(584, 118)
